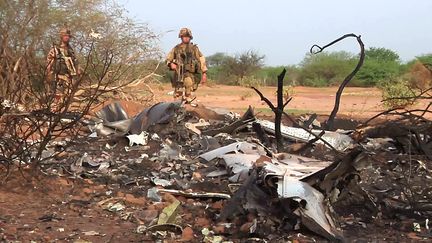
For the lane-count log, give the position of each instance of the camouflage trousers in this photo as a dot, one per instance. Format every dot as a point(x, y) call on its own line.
point(187, 85)
point(58, 90)
point(61, 86)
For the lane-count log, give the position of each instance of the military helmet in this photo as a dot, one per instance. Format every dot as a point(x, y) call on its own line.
point(65, 31)
point(185, 32)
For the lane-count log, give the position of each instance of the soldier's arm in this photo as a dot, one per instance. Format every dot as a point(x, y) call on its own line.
point(76, 62)
point(50, 61)
point(202, 60)
point(203, 65)
point(170, 59)
point(49, 65)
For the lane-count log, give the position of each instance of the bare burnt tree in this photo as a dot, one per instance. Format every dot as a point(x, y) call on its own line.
point(330, 121)
point(278, 109)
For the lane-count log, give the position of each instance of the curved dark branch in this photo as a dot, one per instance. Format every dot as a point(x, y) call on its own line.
point(329, 123)
point(263, 98)
point(286, 102)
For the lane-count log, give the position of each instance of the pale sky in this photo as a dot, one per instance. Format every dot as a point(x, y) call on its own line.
point(284, 30)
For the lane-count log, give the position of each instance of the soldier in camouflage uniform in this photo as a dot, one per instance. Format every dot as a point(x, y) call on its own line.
point(62, 65)
point(188, 62)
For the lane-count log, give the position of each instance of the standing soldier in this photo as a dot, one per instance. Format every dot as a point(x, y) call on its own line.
point(188, 62)
point(62, 65)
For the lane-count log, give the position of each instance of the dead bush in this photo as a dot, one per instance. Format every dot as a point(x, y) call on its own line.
point(420, 76)
point(397, 93)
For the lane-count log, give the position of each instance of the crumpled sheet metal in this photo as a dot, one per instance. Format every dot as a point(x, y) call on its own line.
point(313, 214)
point(238, 147)
point(301, 164)
point(194, 127)
point(119, 126)
point(288, 169)
point(159, 113)
point(115, 118)
point(240, 157)
point(240, 164)
point(112, 113)
point(339, 141)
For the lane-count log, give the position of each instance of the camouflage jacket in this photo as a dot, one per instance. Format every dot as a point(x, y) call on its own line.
point(62, 60)
point(189, 56)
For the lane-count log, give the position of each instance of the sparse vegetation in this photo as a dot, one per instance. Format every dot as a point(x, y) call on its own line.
point(397, 93)
point(246, 95)
point(323, 70)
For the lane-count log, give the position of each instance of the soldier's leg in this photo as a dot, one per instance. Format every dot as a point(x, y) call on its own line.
point(178, 90)
point(188, 85)
point(178, 86)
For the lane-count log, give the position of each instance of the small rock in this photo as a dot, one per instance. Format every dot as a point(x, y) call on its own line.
point(188, 234)
point(148, 215)
point(87, 191)
point(134, 200)
point(245, 228)
point(202, 222)
point(169, 198)
point(187, 217)
point(160, 206)
point(153, 195)
point(196, 176)
point(219, 229)
point(217, 205)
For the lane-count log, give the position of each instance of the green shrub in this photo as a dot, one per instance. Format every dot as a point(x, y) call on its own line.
point(250, 81)
point(316, 82)
point(288, 92)
point(325, 69)
point(397, 93)
point(246, 95)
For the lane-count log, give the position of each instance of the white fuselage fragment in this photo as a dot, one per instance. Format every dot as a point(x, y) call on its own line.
point(337, 140)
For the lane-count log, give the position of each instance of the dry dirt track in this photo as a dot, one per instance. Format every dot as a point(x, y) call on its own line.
point(356, 102)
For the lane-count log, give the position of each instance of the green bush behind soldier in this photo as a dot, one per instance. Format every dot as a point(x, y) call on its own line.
point(187, 62)
point(62, 65)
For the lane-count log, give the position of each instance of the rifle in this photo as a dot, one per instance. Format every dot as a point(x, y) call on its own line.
point(179, 76)
point(191, 62)
point(55, 69)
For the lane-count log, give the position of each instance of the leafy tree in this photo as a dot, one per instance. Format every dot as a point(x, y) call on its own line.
point(233, 69)
point(380, 64)
point(31, 28)
point(244, 64)
point(269, 75)
point(325, 69)
point(381, 54)
point(217, 59)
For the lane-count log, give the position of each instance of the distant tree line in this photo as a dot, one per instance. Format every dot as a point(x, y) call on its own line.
point(382, 66)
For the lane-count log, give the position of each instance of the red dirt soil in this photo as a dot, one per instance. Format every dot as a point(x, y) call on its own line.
point(359, 103)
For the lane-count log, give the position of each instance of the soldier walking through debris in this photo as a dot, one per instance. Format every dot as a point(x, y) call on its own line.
point(187, 62)
point(62, 65)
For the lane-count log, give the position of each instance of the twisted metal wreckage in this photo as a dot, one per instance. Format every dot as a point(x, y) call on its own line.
point(266, 176)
